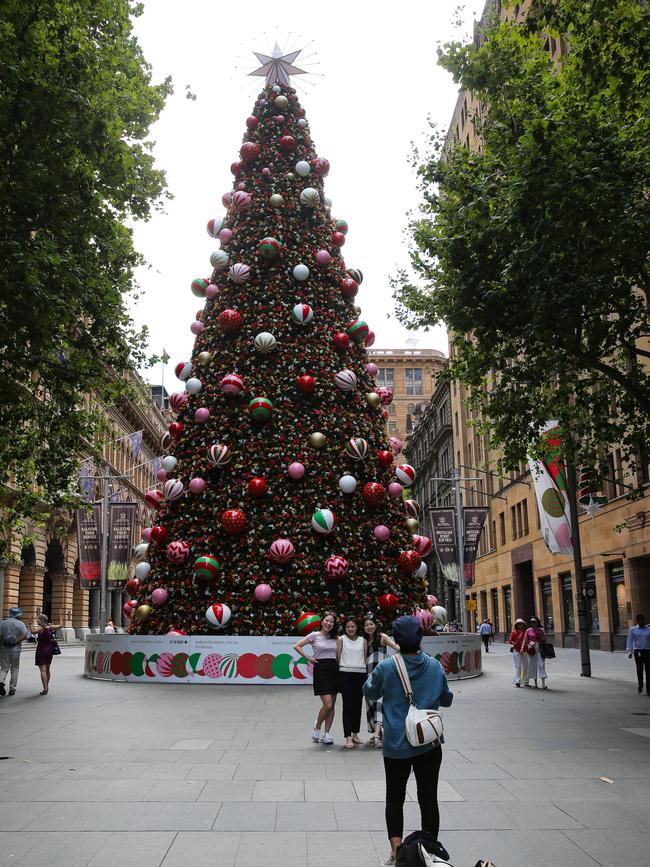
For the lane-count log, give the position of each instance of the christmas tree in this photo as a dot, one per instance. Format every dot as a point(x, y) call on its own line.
point(280, 498)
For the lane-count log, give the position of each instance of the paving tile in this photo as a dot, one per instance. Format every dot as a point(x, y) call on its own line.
point(483, 790)
point(367, 815)
point(315, 816)
point(144, 848)
point(175, 790)
point(240, 817)
point(70, 790)
point(304, 772)
point(183, 816)
point(14, 845)
point(561, 790)
point(279, 790)
point(203, 849)
point(616, 815)
point(330, 790)
point(227, 790)
point(613, 848)
point(123, 790)
point(73, 850)
point(344, 848)
point(162, 771)
point(286, 849)
point(17, 816)
point(191, 744)
point(258, 772)
point(211, 771)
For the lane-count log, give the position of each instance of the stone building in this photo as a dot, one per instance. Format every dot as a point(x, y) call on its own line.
point(41, 571)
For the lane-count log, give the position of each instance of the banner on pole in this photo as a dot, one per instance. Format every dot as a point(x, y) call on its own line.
point(444, 540)
point(473, 520)
point(120, 541)
point(88, 541)
point(549, 478)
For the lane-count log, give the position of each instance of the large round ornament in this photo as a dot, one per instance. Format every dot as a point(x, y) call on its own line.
point(142, 612)
point(323, 521)
point(320, 167)
point(260, 409)
point(405, 474)
point(388, 602)
point(348, 484)
point(133, 587)
point(197, 485)
point(249, 151)
point(346, 380)
point(306, 384)
point(233, 521)
point(240, 201)
point(199, 286)
point(336, 567)
point(296, 470)
point(154, 499)
point(230, 321)
point(358, 330)
point(215, 226)
point(439, 615)
point(252, 122)
point(396, 445)
point(302, 168)
point(309, 197)
point(265, 342)
point(159, 596)
point(177, 400)
point(269, 248)
point(166, 441)
point(281, 551)
point(373, 493)
point(193, 385)
point(431, 600)
point(412, 524)
point(204, 358)
point(372, 368)
point(173, 489)
point(141, 551)
point(257, 487)
point(423, 570)
point(356, 274)
point(409, 561)
point(385, 458)
point(218, 615)
point(169, 463)
point(219, 261)
point(281, 101)
point(176, 428)
point(206, 568)
point(142, 570)
point(381, 533)
point(302, 314)
point(349, 287)
point(422, 545)
point(232, 384)
point(178, 552)
point(357, 448)
point(341, 341)
point(287, 142)
point(425, 617)
point(183, 370)
point(317, 439)
point(341, 226)
point(323, 257)
point(370, 339)
point(307, 622)
point(338, 239)
point(277, 201)
point(240, 273)
point(412, 508)
point(263, 593)
point(301, 272)
point(219, 455)
point(386, 395)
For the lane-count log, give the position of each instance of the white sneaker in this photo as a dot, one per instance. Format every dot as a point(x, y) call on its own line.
point(315, 735)
point(327, 739)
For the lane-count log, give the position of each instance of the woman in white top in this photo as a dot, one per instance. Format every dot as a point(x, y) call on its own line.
point(352, 651)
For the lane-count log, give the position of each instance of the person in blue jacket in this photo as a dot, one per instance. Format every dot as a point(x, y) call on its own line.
point(430, 690)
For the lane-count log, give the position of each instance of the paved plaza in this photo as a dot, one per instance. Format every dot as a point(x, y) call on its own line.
point(148, 774)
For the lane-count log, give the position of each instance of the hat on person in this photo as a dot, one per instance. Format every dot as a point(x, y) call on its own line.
point(15, 612)
point(520, 620)
point(407, 632)
point(42, 619)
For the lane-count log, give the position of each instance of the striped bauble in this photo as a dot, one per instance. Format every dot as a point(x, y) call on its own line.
point(323, 521)
point(260, 408)
point(357, 448)
point(219, 455)
point(206, 568)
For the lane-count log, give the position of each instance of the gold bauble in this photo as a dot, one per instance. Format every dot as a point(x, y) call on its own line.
point(412, 525)
point(317, 439)
point(290, 176)
point(373, 399)
point(281, 101)
point(276, 201)
point(142, 612)
point(204, 358)
point(357, 310)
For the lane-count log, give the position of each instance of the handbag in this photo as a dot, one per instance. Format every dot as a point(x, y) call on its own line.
point(547, 650)
point(56, 650)
point(423, 726)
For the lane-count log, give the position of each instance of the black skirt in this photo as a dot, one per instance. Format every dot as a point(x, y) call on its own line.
point(326, 677)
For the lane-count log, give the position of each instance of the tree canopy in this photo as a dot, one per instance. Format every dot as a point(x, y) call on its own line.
point(76, 105)
point(533, 247)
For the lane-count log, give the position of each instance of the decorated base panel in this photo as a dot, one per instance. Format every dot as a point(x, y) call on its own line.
point(232, 659)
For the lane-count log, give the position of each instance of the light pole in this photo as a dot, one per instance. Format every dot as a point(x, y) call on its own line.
point(583, 616)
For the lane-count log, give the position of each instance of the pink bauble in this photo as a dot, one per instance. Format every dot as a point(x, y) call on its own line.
point(232, 384)
point(173, 489)
point(372, 368)
point(296, 470)
point(336, 567)
point(146, 534)
point(226, 199)
point(395, 489)
point(177, 400)
point(178, 552)
point(422, 545)
point(266, 172)
point(396, 445)
point(225, 236)
point(197, 485)
point(425, 617)
point(202, 414)
point(431, 600)
point(161, 475)
point(381, 533)
point(263, 592)
point(281, 551)
point(159, 596)
point(212, 291)
point(323, 257)
point(197, 327)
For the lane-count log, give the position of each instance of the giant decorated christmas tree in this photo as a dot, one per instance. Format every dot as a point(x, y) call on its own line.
point(281, 495)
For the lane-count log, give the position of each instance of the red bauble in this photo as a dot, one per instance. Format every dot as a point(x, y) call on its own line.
point(230, 320)
point(306, 384)
point(252, 121)
point(249, 151)
point(176, 428)
point(349, 287)
point(385, 458)
point(257, 487)
point(373, 493)
point(370, 338)
point(320, 167)
point(133, 587)
point(235, 168)
point(287, 143)
point(387, 602)
point(341, 341)
point(233, 521)
point(338, 239)
point(409, 561)
point(159, 534)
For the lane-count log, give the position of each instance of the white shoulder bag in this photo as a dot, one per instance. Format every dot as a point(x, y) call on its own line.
point(422, 726)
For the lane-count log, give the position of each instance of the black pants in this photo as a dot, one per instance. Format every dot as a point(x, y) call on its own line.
point(352, 694)
point(426, 768)
point(486, 642)
point(642, 660)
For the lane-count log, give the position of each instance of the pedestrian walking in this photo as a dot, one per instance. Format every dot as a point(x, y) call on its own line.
point(46, 646)
point(430, 690)
point(638, 645)
point(517, 641)
point(12, 634)
point(378, 643)
point(491, 625)
point(326, 674)
point(535, 635)
point(352, 655)
point(485, 631)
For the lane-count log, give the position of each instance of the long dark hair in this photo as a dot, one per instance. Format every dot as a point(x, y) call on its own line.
point(374, 642)
point(334, 630)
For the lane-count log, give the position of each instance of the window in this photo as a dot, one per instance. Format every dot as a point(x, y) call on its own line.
point(469, 456)
point(513, 521)
point(456, 422)
point(410, 407)
point(612, 490)
point(547, 604)
point(566, 586)
point(502, 527)
point(392, 427)
point(493, 540)
point(391, 409)
point(385, 377)
point(507, 608)
point(413, 380)
point(524, 506)
point(589, 583)
point(495, 610)
point(619, 596)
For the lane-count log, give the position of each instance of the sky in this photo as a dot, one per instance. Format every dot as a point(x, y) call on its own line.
point(376, 84)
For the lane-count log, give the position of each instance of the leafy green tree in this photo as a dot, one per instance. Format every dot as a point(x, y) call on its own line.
point(533, 247)
point(76, 105)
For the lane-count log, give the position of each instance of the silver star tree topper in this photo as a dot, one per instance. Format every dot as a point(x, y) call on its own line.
point(278, 67)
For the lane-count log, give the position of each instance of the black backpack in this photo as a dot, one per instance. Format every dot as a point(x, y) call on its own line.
point(420, 849)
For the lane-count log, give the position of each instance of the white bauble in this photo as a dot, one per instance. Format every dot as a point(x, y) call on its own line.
point(309, 197)
point(265, 342)
point(301, 272)
point(142, 570)
point(348, 484)
point(219, 260)
point(168, 463)
point(193, 385)
point(303, 168)
point(422, 570)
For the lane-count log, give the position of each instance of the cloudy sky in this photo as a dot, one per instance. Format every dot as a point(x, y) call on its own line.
point(377, 82)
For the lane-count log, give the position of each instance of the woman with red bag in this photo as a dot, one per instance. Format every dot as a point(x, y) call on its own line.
point(517, 641)
point(535, 635)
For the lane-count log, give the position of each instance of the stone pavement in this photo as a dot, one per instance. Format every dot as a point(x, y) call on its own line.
point(144, 774)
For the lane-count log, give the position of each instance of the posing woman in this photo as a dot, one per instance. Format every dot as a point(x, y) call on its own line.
point(326, 674)
point(378, 643)
point(45, 644)
point(517, 641)
point(352, 655)
point(430, 690)
point(536, 666)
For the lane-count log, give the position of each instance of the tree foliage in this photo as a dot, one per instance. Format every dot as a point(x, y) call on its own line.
point(533, 248)
point(76, 105)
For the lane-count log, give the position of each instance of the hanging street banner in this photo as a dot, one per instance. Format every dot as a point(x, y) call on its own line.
point(444, 540)
point(473, 520)
point(88, 541)
point(120, 541)
point(549, 478)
